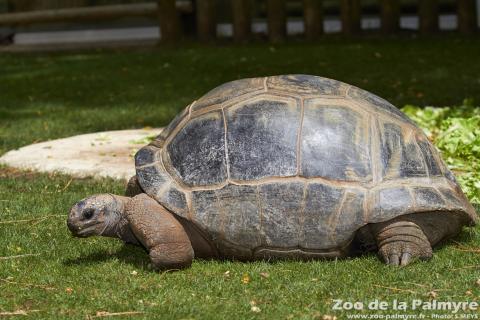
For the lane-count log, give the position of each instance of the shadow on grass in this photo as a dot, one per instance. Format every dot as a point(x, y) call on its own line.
point(466, 236)
point(138, 257)
point(129, 254)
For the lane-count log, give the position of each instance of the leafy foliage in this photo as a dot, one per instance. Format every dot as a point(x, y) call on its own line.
point(456, 133)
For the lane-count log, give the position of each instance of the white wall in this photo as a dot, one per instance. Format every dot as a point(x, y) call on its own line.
point(478, 12)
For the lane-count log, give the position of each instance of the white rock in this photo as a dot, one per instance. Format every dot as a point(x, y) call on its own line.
point(101, 154)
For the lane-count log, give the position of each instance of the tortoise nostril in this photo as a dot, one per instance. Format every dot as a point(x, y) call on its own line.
point(88, 213)
point(72, 226)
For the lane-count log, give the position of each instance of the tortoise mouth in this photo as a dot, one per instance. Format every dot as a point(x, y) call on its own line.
point(81, 234)
point(82, 230)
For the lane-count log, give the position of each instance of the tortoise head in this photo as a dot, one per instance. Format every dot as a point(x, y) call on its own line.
point(96, 215)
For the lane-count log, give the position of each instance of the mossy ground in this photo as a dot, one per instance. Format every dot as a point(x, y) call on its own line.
point(47, 96)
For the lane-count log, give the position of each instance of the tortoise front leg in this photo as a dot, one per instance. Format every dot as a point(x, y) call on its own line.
point(160, 233)
point(400, 241)
point(133, 187)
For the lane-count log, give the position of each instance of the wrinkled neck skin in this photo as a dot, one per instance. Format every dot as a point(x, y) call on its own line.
point(117, 225)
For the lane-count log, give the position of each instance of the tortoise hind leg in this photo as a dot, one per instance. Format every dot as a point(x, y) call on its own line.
point(409, 237)
point(160, 233)
point(400, 241)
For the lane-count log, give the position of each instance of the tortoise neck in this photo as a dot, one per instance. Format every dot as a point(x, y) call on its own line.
point(118, 226)
point(124, 233)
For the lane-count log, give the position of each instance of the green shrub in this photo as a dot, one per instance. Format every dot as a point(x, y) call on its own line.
point(455, 131)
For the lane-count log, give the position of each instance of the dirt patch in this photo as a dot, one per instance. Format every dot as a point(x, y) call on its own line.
point(10, 172)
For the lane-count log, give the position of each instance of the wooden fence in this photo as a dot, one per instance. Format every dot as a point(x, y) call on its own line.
point(167, 12)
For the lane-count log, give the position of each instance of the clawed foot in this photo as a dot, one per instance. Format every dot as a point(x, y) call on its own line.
point(400, 242)
point(401, 253)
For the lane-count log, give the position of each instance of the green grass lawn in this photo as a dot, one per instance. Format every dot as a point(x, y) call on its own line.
point(47, 96)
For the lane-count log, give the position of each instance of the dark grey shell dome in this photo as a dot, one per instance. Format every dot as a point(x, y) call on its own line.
point(294, 163)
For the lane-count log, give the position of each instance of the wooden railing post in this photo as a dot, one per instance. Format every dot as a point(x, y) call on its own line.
point(313, 18)
point(428, 14)
point(350, 11)
point(206, 19)
point(96, 13)
point(242, 20)
point(466, 16)
point(168, 20)
point(277, 20)
point(22, 5)
point(390, 15)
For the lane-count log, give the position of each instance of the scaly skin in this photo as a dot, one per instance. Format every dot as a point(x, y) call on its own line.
point(133, 187)
point(101, 215)
point(404, 239)
point(160, 233)
point(142, 221)
point(401, 241)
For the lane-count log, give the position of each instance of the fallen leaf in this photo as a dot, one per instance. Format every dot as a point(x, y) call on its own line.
point(329, 317)
point(468, 292)
point(264, 275)
point(134, 273)
point(432, 294)
point(245, 278)
point(254, 307)
point(69, 290)
point(477, 282)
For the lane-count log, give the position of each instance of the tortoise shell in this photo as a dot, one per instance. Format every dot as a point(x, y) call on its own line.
point(294, 163)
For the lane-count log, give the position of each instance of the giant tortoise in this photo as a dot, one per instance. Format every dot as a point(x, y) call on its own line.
point(291, 166)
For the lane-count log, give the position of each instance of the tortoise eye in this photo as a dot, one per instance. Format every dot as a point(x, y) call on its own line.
point(88, 213)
